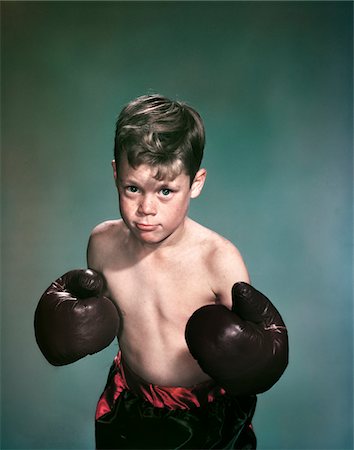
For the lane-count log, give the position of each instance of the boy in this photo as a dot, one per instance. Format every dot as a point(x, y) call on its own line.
point(160, 267)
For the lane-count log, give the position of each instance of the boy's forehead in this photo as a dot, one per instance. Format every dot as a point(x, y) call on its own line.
point(160, 172)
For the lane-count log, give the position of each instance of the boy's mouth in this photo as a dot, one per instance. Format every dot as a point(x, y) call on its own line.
point(145, 227)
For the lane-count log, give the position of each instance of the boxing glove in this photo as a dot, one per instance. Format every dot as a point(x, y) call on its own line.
point(73, 319)
point(245, 349)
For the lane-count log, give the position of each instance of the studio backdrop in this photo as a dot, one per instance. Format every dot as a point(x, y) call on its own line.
point(273, 83)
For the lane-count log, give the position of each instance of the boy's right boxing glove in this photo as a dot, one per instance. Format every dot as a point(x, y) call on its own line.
point(73, 319)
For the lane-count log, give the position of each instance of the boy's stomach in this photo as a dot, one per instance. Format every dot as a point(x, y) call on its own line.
point(163, 362)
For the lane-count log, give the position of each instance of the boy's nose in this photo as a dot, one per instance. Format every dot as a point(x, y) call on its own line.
point(147, 206)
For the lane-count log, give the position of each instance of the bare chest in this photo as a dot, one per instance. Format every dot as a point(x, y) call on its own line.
point(171, 290)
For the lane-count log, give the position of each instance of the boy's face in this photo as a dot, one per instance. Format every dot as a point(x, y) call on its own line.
point(154, 210)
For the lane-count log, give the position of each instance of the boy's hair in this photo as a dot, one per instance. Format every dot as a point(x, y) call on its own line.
point(160, 132)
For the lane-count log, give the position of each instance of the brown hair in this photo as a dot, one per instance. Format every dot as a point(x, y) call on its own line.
point(160, 132)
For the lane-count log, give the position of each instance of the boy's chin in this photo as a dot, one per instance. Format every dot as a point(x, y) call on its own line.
point(152, 238)
point(145, 236)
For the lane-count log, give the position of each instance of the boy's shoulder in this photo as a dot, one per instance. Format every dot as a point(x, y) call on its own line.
point(224, 261)
point(107, 229)
point(103, 238)
point(214, 243)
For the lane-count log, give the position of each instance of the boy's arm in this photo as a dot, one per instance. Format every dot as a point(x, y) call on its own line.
point(227, 267)
point(74, 318)
point(101, 241)
point(241, 341)
point(97, 246)
point(93, 253)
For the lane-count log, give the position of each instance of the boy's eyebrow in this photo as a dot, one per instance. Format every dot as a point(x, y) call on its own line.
point(125, 178)
point(128, 180)
point(160, 183)
point(169, 182)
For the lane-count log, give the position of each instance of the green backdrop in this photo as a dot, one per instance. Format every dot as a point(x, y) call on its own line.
point(273, 82)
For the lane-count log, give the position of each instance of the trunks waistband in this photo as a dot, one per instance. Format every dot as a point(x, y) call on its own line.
point(122, 378)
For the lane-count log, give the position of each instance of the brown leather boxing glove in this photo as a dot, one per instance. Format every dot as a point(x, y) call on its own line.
point(245, 350)
point(73, 319)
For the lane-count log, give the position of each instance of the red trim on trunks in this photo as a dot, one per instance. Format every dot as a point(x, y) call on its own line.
point(123, 378)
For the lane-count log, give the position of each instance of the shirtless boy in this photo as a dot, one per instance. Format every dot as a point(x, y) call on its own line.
point(175, 287)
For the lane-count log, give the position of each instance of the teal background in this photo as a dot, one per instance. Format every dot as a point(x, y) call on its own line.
point(273, 82)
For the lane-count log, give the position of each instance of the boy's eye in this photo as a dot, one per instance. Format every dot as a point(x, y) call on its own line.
point(165, 192)
point(132, 189)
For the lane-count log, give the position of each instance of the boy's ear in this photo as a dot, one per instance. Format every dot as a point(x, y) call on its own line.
point(198, 183)
point(114, 170)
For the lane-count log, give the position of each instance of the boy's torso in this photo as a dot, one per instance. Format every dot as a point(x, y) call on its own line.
point(156, 293)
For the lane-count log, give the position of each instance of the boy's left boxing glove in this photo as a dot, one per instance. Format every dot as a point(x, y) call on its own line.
point(73, 319)
point(244, 350)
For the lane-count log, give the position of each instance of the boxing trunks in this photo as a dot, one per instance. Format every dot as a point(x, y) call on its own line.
point(134, 414)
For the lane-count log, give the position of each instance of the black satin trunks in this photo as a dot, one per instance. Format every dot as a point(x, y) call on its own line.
point(133, 414)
